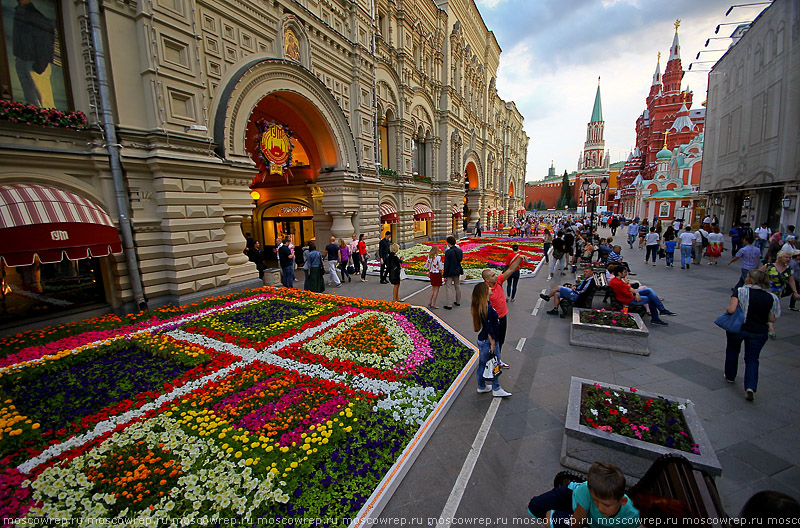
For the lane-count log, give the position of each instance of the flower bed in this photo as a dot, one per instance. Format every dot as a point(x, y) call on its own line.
point(602, 317)
point(480, 253)
point(605, 331)
point(631, 428)
point(274, 404)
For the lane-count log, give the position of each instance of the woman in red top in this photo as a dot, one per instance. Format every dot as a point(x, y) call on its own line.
point(362, 250)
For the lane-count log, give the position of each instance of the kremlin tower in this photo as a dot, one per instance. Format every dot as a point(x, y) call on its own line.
point(594, 160)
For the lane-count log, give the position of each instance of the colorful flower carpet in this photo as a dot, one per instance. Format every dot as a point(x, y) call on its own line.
point(270, 404)
point(480, 253)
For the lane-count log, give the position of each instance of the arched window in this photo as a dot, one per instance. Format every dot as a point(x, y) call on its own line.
point(383, 140)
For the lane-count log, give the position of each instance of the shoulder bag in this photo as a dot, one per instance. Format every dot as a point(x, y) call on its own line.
point(492, 368)
point(731, 322)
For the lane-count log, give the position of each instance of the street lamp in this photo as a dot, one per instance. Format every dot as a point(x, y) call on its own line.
point(746, 203)
point(592, 195)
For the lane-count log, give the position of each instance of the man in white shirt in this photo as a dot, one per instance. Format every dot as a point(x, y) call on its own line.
point(676, 225)
point(687, 241)
point(707, 220)
point(701, 237)
point(762, 237)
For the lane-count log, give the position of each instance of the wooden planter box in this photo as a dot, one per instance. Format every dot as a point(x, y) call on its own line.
point(630, 340)
point(582, 445)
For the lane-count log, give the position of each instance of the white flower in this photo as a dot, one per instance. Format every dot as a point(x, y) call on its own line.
point(623, 410)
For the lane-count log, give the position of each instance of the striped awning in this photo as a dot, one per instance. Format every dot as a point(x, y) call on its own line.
point(422, 213)
point(457, 213)
point(521, 210)
point(389, 214)
point(46, 221)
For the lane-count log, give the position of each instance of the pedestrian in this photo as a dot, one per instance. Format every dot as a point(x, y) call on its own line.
point(286, 263)
point(795, 265)
point(494, 281)
point(569, 247)
point(633, 232)
point(486, 322)
point(750, 256)
point(773, 247)
point(513, 279)
point(383, 253)
point(760, 308)
point(434, 265)
point(715, 241)
point(614, 225)
point(736, 238)
point(781, 280)
point(332, 257)
point(362, 251)
point(652, 245)
point(558, 255)
point(344, 260)
point(249, 242)
point(477, 228)
point(255, 255)
point(315, 270)
point(452, 273)
point(355, 255)
point(547, 241)
point(762, 237)
point(600, 501)
point(687, 242)
point(644, 228)
point(669, 251)
point(395, 266)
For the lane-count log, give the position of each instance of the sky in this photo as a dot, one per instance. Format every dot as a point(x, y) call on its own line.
point(554, 51)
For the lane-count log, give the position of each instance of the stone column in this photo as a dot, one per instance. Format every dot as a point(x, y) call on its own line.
point(340, 201)
point(239, 265)
point(237, 204)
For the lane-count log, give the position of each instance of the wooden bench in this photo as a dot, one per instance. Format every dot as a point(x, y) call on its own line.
point(674, 477)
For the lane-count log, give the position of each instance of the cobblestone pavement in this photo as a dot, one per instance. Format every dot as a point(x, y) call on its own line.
point(756, 442)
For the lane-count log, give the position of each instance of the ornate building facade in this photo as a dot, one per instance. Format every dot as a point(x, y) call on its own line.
point(664, 131)
point(297, 118)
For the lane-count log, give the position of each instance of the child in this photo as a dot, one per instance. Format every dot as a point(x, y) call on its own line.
point(669, 248)
point(601, 501)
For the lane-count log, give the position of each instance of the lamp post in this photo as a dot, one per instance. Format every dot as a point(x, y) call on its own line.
point(591, 195)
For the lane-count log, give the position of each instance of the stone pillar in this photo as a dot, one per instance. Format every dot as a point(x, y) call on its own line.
point(340, 201)
point(237, 204)
point(474, 205)
point(239, 265)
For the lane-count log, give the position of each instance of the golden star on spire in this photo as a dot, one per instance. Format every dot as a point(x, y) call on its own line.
point(659, 56)
point(677, 23)
point(665, 138)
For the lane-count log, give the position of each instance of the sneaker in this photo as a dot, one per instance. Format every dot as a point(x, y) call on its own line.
point(554, 311)
point(500, 393)
point(549, 277)
point(726, 379)
point(456, 304)
point(659, 322)
point(339, 285)
point(687, 266)
point(668, 312)
point(484, 390)
point(748, 395)
point(544, 296)
point(512, 299)
point(503, 364)
point(447, 307)
point(563, 274)
point(654, 264)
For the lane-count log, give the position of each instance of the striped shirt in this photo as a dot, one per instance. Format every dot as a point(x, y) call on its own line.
point(750, 256)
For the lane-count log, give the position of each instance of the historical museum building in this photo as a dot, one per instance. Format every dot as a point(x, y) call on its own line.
point(140, 140)
point(752, 167)
point(661, 177)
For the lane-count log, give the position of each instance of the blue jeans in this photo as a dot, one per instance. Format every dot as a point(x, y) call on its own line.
point(761, 244)
point(670, 256)
point(741, 279)
point(287, 276)
point(753, 343)
point(686, 256)
point(511, 284)
point(650, 298)
point(557, 500)
point(546, 249)
point(631, 240)
point(484, 352)
point(567, 293)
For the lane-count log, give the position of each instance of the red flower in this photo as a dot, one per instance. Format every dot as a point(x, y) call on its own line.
point(624, 420)
point(633, 390)
point(612, 411)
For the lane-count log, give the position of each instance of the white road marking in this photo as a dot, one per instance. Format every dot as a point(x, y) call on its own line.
point(454, 500)
point(416, 292)
point(535, 312)
point(521, 343)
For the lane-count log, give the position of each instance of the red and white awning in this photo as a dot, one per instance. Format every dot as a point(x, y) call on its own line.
point(457, 213)
point(389, 214)
point(422, 213)
point(46, 221)
point(521, 210)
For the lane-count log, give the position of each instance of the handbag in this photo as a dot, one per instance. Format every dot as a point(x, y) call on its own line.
point(662, 253)
point(351, 270)
point(403, 274)
point(492, 368)
point(731, 322)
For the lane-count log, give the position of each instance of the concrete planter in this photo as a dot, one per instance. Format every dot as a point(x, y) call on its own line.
point(582, 445)
point(630, 340)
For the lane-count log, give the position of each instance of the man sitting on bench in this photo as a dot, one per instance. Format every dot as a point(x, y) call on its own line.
point(627, 295)
point(572, 293)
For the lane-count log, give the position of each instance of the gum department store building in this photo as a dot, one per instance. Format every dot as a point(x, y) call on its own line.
point(298, 118)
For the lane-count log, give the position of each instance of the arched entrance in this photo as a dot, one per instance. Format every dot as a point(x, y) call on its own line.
point(271, 98)
point(471, 195)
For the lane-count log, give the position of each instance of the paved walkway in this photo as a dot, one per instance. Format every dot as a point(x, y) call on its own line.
point(756, 442)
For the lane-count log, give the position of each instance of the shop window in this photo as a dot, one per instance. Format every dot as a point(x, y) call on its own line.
point(421, 228)
point(34, 69)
